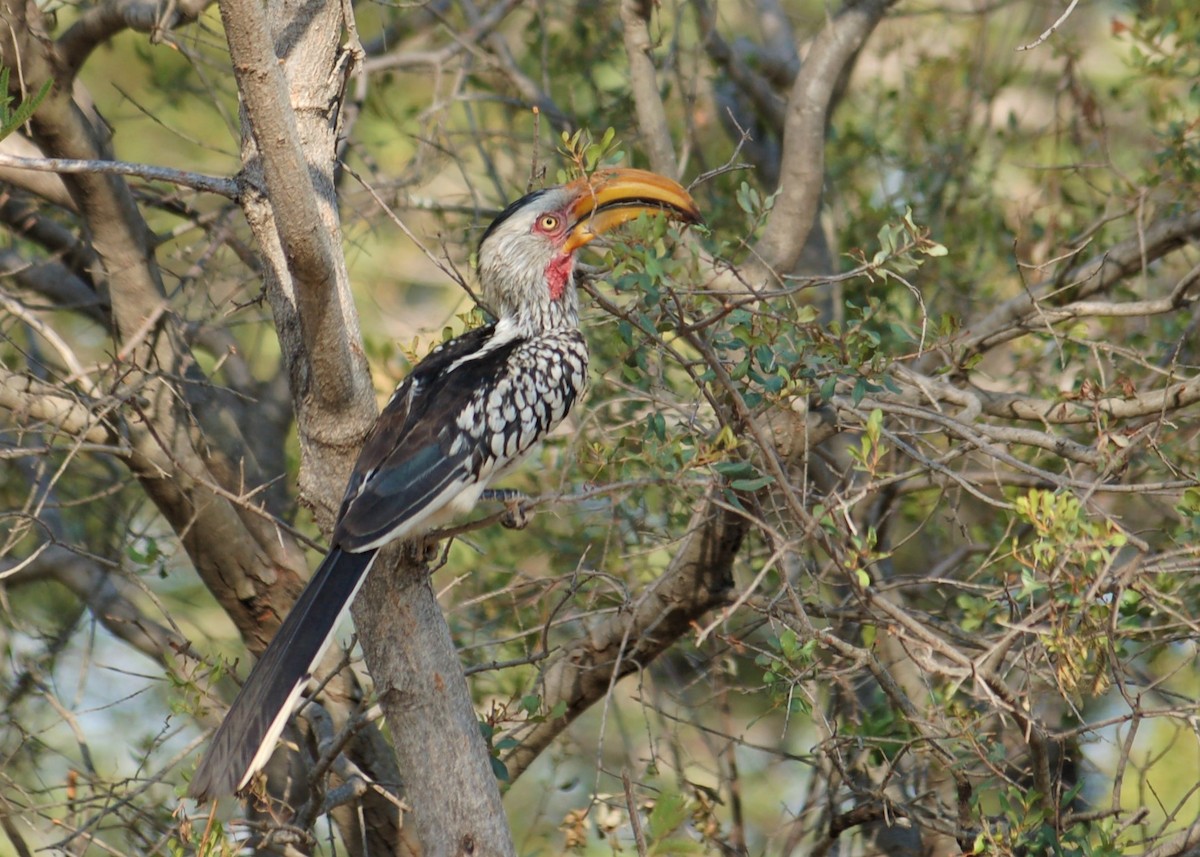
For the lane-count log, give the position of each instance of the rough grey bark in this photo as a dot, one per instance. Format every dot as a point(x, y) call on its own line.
point(291, 204)
point(448, 779)
point(802, 162)
point(651, 114)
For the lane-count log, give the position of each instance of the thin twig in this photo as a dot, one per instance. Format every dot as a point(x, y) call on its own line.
point(1051, 29)
point(634, 821)
point(70, 166)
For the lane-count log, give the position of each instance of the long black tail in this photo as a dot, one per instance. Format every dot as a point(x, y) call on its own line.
point(245, 740)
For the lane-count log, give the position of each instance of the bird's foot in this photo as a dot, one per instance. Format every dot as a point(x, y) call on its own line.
point(516, 516)
point(516, 513)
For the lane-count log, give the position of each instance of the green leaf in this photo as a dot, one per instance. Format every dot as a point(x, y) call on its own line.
point(859, 391)
point(735, 468)
point(874, 426)
point(806, 314)
point(789, 644)
point(1189, 503)
point(751, 484)
point(748, 199)
point(670, 811)
point(732, 499)
point(11, 120)
point(657, 425)
point(499, 770)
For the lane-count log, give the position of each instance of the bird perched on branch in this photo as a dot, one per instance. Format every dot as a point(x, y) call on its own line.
point(464, 416)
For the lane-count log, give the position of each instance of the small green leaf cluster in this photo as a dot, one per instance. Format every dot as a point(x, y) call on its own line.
point(1164, 48)
point(1065, 538)
point(976, 612)
point(495, 748)
point(666, 826)
point(496, 729)
point(193, 840)
point(784, 663)
point(1025, 824)
point(869, 454)
point(587, 155)
point(902, 247)
point(1060, 560)
point(881, 731)
point(754, 205)
point(742, 475)
point(851, 354)
point(1189, 507)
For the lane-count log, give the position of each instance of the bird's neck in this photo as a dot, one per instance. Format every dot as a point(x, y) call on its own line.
point(536, 304)
point(532, 320)
point(535, 317)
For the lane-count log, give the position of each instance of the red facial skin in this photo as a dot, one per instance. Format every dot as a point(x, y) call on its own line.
point(554, 227)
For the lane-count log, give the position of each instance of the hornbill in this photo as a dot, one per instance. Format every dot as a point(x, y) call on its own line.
point(465, 415)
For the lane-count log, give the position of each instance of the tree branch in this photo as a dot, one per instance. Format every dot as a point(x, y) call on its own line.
point(802, 171)
point(1182, 843)
point(66, 166)
point(655, 132)
point(1097, 275)
point(47, 186)
point(419, 682)
point(1077, 411)
point(98, 24)
point(32, 222)
point(36, 403)
point(584, 671)
point(482, 26)
point(53, 282)
point(111, 599)
point(768, 103)
point(310, 283)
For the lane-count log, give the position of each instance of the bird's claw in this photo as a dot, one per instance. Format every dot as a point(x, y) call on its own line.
point(516, 507)
point(516, 514)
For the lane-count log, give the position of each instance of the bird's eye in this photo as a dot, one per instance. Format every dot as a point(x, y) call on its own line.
point(548, 222)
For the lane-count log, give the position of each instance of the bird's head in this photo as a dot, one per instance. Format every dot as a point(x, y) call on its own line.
point(527, 255)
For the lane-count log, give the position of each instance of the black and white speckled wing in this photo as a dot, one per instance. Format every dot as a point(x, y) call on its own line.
point(468, 412)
